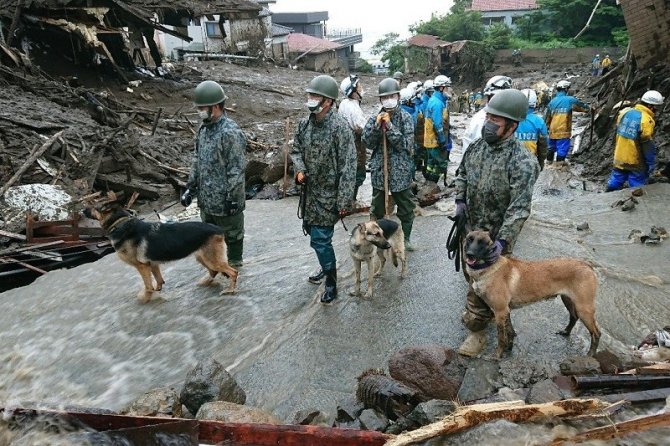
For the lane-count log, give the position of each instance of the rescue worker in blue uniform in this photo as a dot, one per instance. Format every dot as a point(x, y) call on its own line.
point(532, 131)
point(634, 150)
point(558, 118)
point(437, 139)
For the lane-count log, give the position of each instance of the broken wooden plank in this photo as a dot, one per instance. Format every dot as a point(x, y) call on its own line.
point(35, 125)
point(514, 411)
point(12, 235)
point(29, 162)
point(656, 369)
point(155, 124)
point(29, 247)
point(618, 430)
point(641, 397)
point(145, 191)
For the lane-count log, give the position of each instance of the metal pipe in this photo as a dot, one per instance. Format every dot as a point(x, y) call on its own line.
point(619, 381)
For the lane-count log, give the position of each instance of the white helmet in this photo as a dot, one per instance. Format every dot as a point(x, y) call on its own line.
point(652, 97)
point(442, 81)
point(428, 85)
point(349, 84)
point(406, 95)
point(563, 85)
point(497, 83)
point(531, 96)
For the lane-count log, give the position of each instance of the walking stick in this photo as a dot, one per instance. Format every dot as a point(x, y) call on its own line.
point(288, 123)
point(387, 192)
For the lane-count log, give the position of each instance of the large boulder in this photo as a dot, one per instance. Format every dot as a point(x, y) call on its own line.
point(435, 371)
point(275, 169)
point(544, 392)
point(162, 402)
point(580, 365)
point(46, 202)
point(235, 413)
point(209, 381)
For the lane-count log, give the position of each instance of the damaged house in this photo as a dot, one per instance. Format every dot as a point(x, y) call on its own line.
point(116, 35)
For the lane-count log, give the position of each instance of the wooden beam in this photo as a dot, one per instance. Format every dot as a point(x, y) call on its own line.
point(12, 235)
point(514, 411)
point(618, 430)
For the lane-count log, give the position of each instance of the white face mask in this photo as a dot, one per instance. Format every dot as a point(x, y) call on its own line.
point(314, 105)
point(204, 114)
point(389, 104)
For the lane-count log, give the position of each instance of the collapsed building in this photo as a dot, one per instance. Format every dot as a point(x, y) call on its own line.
point(119, 35)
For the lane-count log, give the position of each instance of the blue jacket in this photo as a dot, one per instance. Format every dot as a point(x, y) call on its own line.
point(411, 110)
point(558, 116)
point(530, 130)
point(436, 127)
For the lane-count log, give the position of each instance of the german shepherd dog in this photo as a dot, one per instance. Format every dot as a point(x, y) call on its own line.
point(379, 236)
point(146, 245)
point(506, 282)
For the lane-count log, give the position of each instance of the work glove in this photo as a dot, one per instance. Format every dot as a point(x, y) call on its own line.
point(186, 198)
point(461, 209)
point(384, 118)
point(496, 251)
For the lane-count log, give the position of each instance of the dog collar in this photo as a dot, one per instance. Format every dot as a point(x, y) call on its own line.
point(117, 223)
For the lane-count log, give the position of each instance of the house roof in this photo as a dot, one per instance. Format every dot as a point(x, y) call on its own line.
point(503, 5)
point(426, 41)
point(280, 30)
point(302, 43)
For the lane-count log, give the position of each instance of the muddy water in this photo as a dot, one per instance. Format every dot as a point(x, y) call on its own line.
point(80, 337)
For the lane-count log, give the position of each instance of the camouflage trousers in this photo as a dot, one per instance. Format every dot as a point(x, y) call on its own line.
point(233, 233)
point(361, 157)
point(477, 312)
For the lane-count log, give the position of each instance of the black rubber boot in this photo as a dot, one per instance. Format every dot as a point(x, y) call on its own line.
point(317, 278)
point(330, 294)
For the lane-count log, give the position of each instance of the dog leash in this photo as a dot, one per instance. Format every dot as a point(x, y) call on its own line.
point(455, 240)
point(302, 204)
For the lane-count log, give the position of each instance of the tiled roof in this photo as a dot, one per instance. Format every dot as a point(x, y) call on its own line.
point(300, 43)
point(426, 41)
point(503, 5)
point(280, 30)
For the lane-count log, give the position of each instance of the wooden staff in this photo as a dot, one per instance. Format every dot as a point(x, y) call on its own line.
point(288, 123)
point(387, 191)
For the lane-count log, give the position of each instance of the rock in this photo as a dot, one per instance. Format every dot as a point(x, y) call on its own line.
point(313, 417)
point(431, 411)
point(480, 380)
point(583, 226)
point(162, 402)
point(507, 394)
point(46, 202)
point(275, 168)
point(637, 192)
point(209, 381)
point(356, 424)
point(628, 206)
point(609, 362)
point(376, 390)
point(234, 413)
point(519, 373)
point(348, 410)
point(269, 192)
point(580, 365)
point(185, 413)
point(544, 392)
point(373, 421)
point(435, 371)
point(428, 193)
point(254, 171)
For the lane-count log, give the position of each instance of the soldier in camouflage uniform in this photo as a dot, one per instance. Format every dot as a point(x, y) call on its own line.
point(494, 188)
point(217, 170)
point(400, 143)
point(324, 161)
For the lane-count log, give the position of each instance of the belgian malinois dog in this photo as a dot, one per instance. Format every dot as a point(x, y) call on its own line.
point(506, 282)
point(146, 245)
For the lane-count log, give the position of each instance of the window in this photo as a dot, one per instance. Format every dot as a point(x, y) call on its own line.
point(196, 21)
point(213, 29)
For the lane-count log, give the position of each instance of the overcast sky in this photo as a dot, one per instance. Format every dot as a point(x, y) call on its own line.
point(375, 18)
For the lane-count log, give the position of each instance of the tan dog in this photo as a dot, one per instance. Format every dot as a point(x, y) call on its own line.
point(506, 282)
point(146, 245)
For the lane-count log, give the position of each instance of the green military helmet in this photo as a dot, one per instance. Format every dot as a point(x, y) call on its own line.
point(398, 76)
point(323, 85)
point(208, 93)
point(388, 86)
point(511, 104)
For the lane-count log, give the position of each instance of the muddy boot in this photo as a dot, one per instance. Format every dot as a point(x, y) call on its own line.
point(330, 293)
point(550, 157)
point(474, 343)
point(317, 278)
point(235, 253)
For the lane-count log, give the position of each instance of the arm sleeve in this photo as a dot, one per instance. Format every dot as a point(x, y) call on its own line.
point(522, 177)
point(359, 119)
point(437, 124)
point(580, 106)
point(542, 144)
point(234, 145)
point(649, 153)
point(194, 176)
point(401, 137)
point(346, 164)
point(372, 133)
point(297, 151)
point(461, 179)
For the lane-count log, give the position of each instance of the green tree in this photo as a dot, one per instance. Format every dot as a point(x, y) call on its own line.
point(498, 36)
point(391, 50)
point(459, 24)
point(364, 67)
point(529, 26)
point(567, 17)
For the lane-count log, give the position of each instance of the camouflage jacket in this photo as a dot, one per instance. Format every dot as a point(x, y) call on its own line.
point(325, 152)
point(217, 170)
point(400, 146)
point(496, 181)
